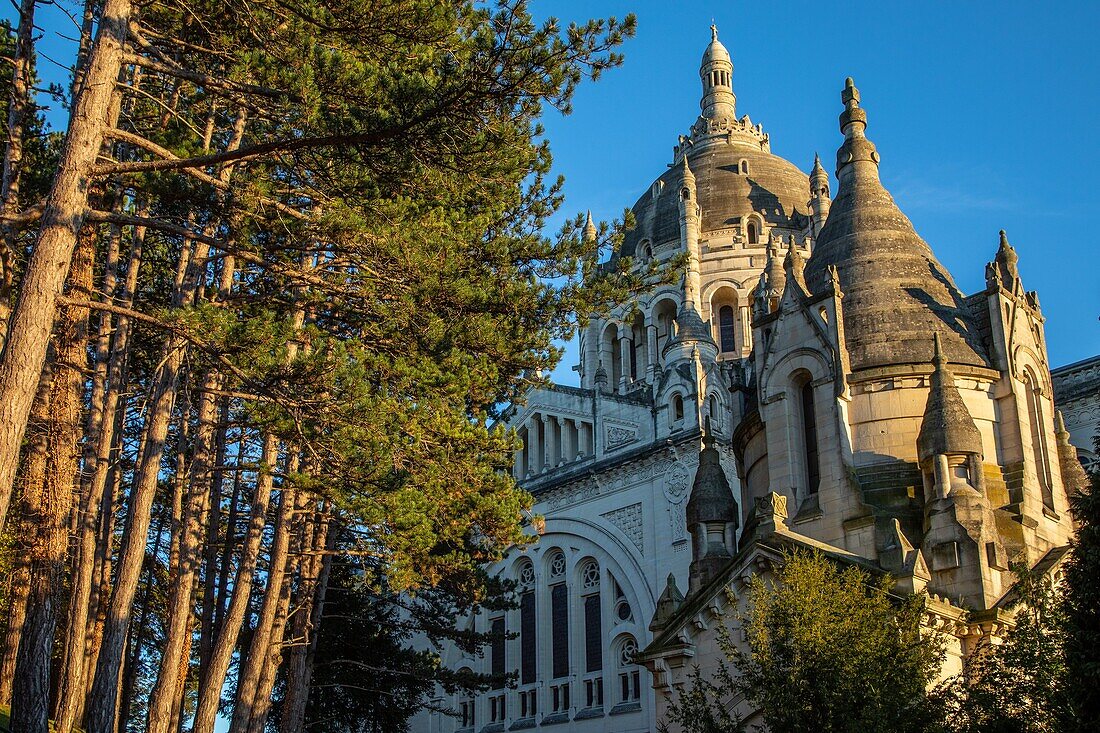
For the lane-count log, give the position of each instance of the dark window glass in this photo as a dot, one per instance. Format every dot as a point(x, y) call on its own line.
point(559, 633)
point(677, 407)
point(498, 653)
point(809, 431)
point(754, 238)
point(726, 329)
point(527, 639)
point(593, 648)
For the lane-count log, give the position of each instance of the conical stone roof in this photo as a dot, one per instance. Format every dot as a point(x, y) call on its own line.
point(896, 294)
point(947, 427)
point(711, 497)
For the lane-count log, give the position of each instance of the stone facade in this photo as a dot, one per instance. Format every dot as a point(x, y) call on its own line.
point(846, 397)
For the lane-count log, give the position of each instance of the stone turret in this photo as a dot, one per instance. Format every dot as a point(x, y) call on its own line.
point(960, 530)
point(772, 282)
point(670, 600)
point(1074, 477)
point(819, 195)
point(711, 516)
point(896, 293)
point(689, 232)
point(718, 102)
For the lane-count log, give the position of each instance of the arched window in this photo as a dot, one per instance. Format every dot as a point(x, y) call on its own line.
point(715, 413)
point(629, 676)
point(809, 437)
point(593, 634)
point(528, 633)
point(677, 408)
point(727, 329)
point(744, 167)
point(559, 619)
point(1039, 448)
point(752, 233)
point(465, 704)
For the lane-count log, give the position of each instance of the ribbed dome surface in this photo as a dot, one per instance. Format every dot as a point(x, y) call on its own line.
point(773, 187)
point(896, 294)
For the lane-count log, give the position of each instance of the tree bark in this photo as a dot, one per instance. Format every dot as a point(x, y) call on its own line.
point(305, 624)
point(20, 107)
point(210, 691)
point(20, 586)
point(51, 504)
point(272, 611)
point(62, 217)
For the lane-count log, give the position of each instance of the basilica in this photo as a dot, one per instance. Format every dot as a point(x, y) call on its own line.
point(814, 380)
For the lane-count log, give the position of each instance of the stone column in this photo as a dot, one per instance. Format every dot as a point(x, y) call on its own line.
point(625, 345)
point(534, 447)
point(568, 440)
point(520, 470)
point(746, 328)
point(550, 442)
point(651, 342)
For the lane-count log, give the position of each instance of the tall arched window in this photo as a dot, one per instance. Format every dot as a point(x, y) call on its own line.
point(593, 634)
point(677, 408)
point(809, 438)
point(1039, 448)
point(727, 328)
point(466, 718)
point(528, 634)
point(752, 233)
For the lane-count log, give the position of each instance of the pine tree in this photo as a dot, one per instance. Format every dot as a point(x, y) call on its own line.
point(1082, 612)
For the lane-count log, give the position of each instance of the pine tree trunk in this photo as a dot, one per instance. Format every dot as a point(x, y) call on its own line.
point(305, 624)
point(32, 319)
point(20, 587)
point(213, 548)
point(210, 690)
point(107, 385)
point(20, 107)
point(266, 643)
point(51, 507)
point(162, 702)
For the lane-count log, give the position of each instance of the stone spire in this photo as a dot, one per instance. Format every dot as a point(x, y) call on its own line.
point(716, 73)
point(670, 600)
point(774, 278)
point(947, 427)
point(896, 293)
point(793, 265)
point(711, 515)
point(1074, 478)
point(1006, 260)
point(819, 195)
point(589, 228)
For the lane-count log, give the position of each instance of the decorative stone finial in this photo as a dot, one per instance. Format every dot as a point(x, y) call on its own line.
point(793, 264)
point(1006, 260)
point(853, 122)
point(601, 373)
point(670, 600)
point(589, 228)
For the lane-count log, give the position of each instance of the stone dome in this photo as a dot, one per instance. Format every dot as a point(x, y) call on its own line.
point(715, 50)
point(896, 294)
point(773, 188)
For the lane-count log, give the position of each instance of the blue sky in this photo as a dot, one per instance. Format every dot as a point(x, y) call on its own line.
point(984, 115)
